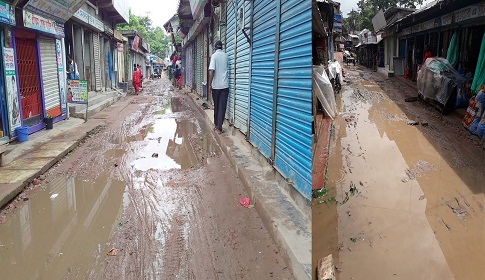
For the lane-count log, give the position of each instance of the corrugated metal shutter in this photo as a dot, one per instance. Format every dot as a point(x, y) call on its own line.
point(97, 63)
point(199, 64)
point(189, 65)
point(242, 69)
point(230, 50)
point(293, 153)
point(223, 25)
point(50, 79)
point(262, 75)
point(205, 52)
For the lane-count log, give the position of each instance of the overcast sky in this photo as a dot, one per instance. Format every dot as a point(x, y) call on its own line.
point(160, 11)
point(347, 5)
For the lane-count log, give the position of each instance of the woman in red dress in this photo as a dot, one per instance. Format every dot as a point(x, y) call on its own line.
point(136, 80)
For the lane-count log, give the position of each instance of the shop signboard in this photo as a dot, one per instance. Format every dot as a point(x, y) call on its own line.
point(196, 7)
point(62, 77)
point(470, 12)
point(7, 13)
point(59, 10)
point(136, 42)
point(120, 47)
point(447, 19)
point(337, 23)
point(39, 23)
point(77, 91)
point(89, 19)
point(13, 106)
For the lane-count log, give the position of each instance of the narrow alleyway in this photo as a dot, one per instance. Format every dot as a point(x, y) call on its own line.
point(409, 185)
point(148, 196)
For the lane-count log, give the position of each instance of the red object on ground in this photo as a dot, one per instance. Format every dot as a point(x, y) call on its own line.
point(245, 201)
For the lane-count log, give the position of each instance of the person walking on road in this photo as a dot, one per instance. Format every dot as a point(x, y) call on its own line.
point(218, 79)
point(136, 79)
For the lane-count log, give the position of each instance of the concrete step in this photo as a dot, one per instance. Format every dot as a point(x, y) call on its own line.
point(93, 99)
point(3, 149)
point(79, 110)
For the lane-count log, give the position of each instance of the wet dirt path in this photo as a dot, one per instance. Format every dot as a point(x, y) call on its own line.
point(148, 196)
point(409, 195)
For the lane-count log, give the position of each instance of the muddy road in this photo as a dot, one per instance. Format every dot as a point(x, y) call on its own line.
point(149, 195)
point(409, 185)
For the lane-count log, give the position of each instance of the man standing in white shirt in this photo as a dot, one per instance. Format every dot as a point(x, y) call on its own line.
point(219, 79)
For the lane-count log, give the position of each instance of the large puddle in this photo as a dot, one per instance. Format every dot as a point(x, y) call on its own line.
point(62, 231)
point(418, 211)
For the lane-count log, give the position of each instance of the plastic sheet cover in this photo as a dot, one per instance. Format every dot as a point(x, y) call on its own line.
point(438, 79)
point(322, 88)
point(333, 69)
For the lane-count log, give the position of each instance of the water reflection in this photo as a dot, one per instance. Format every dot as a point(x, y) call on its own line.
point(52, 238)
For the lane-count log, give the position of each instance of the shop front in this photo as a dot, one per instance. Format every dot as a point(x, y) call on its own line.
point(38, 47)
point(10, 117)
point(84, 43)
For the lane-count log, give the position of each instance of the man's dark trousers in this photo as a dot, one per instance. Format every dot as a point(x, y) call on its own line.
point(220, 105)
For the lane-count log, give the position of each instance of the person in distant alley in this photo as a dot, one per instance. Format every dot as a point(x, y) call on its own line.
point(427, 53)
point(218, 79)
point(136, 79)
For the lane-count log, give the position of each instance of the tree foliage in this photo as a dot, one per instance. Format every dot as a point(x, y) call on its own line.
point(367, 9)
point(155, 36)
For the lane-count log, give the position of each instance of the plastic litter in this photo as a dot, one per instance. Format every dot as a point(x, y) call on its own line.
point(112, 252)
point(245, 201)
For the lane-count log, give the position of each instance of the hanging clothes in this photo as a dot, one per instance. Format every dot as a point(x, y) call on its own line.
point(479, 76)
point(452, 55)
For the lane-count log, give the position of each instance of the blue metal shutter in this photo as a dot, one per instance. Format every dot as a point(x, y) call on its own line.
point(293, 153)
point(230, 50)
point(242, 69)
point(262, 75)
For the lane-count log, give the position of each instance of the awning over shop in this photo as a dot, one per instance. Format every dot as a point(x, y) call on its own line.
point(118, 36)
point(60, 11)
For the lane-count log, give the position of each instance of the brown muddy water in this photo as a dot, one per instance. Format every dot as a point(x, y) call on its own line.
point(416, 209)
point(62, 230)
point(154, 186)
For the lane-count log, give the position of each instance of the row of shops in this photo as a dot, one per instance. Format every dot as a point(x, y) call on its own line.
point(269, 48)
point(398, 46)
point(39, 39)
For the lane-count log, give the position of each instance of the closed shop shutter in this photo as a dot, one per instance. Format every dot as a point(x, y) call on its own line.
point(189, 65)
point(50, 79)
point(223, 27)
point(242, 68)
point(97, 63)
point(262, 75)
point(293, 152)
point(199, 64)
point(230, 50)
point(205, 52)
